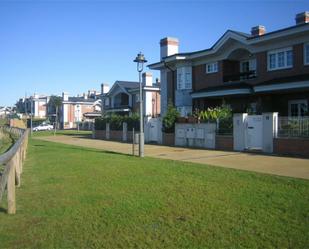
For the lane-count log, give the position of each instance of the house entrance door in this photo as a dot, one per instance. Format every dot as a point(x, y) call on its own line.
point(254, 132)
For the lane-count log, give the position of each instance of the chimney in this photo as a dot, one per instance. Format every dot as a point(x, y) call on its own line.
point(258, 30)
point(65, 96)
point(147, 79)
point(169, 46)
point(85, 96)
point(302, 18)
point(104, 88)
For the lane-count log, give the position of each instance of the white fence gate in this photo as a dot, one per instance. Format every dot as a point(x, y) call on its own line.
point(254, 132)
point(152, 130)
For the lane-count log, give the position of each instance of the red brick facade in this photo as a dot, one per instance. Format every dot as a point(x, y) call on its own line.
point(292, 146)
point(224, 142)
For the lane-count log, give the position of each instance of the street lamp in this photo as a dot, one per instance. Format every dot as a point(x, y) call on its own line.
point(140, 60)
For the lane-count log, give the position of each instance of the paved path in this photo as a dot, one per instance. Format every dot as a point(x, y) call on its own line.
point(284, 166)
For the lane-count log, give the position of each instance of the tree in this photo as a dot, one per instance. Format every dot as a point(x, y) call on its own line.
point(170, 118)
point(56, 102)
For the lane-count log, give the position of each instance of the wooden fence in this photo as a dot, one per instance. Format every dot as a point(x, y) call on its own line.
point(12, 163)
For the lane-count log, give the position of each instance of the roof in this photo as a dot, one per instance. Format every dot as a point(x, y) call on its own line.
point(80, 99)
point(276, 84)
point(225, 86)
point(127, 84)
point(296, 78)
point(244, 37)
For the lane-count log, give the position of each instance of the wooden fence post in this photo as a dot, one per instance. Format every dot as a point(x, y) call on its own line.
point(11, 187)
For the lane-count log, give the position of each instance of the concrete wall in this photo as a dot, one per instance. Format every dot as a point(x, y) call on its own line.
point(201, 135)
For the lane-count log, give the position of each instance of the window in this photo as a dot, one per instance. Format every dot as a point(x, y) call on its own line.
point(298, 108)
point(188, 82)
point(248, 69)
point(306, 54)
point(184, 78)
point(179, 81)
point(212, 67)
point(280, 59)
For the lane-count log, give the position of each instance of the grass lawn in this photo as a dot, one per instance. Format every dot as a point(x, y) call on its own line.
point(6, 142)
point(61, 132)
point(73, 197)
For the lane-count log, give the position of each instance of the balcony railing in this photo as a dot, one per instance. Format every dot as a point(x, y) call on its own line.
point(117, 107)
point(240, 76)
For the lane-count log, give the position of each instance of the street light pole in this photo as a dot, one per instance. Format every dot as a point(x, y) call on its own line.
point(140, 60)
point(31, 106)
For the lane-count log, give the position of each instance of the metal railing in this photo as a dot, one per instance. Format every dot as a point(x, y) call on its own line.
point(240, 76)
point(11, 164)
point(293, 126)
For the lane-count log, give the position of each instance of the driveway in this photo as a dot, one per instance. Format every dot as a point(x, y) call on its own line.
point(283, 166)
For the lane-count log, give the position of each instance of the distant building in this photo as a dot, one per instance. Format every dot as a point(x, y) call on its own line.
point(78, 109)
point(123, 97)
point(35, 104)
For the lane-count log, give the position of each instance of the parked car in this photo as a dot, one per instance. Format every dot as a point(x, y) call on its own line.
point(43, 127)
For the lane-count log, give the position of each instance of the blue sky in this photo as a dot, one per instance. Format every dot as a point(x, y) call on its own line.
point(52, 46)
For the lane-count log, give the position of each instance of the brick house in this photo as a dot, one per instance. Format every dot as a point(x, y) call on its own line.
point(76, 109)
point(255, 73)
point(123, 97)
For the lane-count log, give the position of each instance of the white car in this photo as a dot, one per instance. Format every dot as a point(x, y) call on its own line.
point(43, 127)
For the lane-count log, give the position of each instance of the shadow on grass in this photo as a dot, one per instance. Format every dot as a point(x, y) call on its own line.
point(80, 148)
point(3, 210)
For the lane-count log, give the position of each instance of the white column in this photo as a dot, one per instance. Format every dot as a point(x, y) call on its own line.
point(239, 131)
point(270, 129)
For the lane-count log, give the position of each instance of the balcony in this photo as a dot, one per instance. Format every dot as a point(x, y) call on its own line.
point(240, 76)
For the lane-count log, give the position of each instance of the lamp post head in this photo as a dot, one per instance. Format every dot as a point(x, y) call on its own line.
point(140, 60)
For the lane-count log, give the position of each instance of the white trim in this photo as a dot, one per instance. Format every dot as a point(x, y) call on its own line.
point(214, 65)
point(282, 86)
point(276, 52)
point(221, 93)
point(306, 62)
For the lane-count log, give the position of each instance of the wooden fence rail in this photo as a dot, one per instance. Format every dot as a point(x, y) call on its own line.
point(12, 162)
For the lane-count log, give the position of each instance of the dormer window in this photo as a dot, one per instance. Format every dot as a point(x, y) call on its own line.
point(212, 67)
point(280, 59)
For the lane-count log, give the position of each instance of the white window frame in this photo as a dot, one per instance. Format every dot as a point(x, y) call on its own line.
point(306, 60)
point(214, 67)
point(276, 52)
point(184, 78)
point(298, 102)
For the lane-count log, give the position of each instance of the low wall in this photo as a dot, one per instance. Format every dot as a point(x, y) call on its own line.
point(100, 134)
point(115, 135)
point(292, 146)
point(17, 123)
point(224, 142)
point(168, 139)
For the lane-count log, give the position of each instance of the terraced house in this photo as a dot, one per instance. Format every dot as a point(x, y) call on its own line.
point(257, 72)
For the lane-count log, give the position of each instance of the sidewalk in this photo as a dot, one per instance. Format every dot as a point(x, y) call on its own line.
point(283, 166)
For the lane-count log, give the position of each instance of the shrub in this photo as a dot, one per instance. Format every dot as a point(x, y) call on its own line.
point(170, 118)
point(132, 122)
point(100, 124)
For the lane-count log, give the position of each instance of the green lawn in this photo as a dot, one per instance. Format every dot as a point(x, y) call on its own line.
point(74, 197)
point(61, 132)
point(6, 142)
